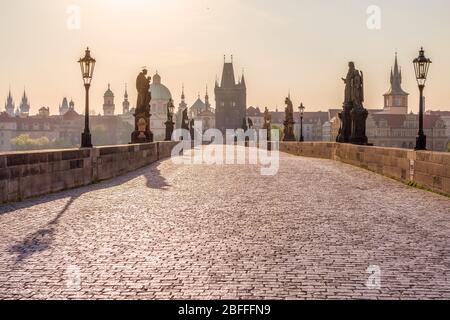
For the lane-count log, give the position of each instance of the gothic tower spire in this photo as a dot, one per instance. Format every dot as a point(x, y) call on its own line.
point(396, 99)
point(126, 102)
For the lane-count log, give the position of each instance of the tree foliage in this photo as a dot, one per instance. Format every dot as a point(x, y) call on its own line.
point(25, 142)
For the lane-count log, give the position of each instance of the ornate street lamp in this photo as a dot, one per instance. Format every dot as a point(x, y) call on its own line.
point(302, 111)
point(87, 65)
point(421, 66)
point(170, 124)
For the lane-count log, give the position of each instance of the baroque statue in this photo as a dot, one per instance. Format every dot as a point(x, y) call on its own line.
point(267, 123)
point(142, 132)
point(289, 121)
point(353, 117)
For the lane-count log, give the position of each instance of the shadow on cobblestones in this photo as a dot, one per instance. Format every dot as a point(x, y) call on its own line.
point(154, 181)
point(41, 240)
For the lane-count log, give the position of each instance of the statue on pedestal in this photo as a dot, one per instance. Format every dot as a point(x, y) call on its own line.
point(170, 125)
point(267, 123)
point(353, 117)
point(192, 128)
point(142, 132)
point(185, 120)
point(289, 121)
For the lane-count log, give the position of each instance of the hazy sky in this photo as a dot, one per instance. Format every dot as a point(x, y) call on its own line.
point(299, 45)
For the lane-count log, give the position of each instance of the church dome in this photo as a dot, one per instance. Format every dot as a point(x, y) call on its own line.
point(158, 90)
point(108, 92)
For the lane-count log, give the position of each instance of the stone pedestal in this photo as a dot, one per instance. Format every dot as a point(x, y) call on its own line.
point(359, 116)
point(169, 130)
point(289, 131)
point(142, 133)
point(345, 131)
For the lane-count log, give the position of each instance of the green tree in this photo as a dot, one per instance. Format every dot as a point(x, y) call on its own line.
point(126, 129)
point(280, 130)
point(25, 142)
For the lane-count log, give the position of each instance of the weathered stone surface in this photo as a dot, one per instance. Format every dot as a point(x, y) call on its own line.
point(54, 171)
point(197, 232)
point(430, 168)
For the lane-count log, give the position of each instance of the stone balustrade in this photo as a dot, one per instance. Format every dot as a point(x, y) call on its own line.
point(29, 174)
point(34, 173)
point(427, 169)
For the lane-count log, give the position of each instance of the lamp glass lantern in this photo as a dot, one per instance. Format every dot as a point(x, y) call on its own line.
point(421, 66)
point(171, 108)
point(302, 109)
point(87, 64)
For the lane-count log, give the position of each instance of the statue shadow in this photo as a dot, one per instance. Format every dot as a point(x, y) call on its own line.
point(42, 239)
point(155, 180)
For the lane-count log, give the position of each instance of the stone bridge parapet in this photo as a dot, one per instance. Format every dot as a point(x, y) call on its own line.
point(427, 169)
point(34, 173)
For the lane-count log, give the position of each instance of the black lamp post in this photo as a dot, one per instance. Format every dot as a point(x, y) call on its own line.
point(421, 66)
point(302, 111)
point(170, 124)
point(87, 65)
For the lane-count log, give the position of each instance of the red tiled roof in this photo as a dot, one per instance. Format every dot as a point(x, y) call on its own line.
point(70, 115)
point(439, 113)
point(398, 120)
point(308, 117)
point(4, 117)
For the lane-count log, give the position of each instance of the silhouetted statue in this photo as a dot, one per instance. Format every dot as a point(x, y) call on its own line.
point(353, 117)
point(192, 128)
point(169, 123)
point(185, 120)
point(143, 90)
point(244, 124)
point(250, 123)
point(268, 123)
point(289, 121)
point(142, 132)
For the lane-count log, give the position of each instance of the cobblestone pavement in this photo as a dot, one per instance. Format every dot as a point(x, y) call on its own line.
point(197, 232)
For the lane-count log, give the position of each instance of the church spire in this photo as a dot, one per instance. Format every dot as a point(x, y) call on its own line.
point(125, 103)
point(9, 105)
point(207, 104)
point(182, 104)
point(396, 99)
point(396, 79)
point(396, 69)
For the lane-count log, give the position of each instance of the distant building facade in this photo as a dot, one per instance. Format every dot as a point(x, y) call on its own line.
point(400, 131)
point(62, 130)
point(231, 100)
point(108, 102)
point(202, 112)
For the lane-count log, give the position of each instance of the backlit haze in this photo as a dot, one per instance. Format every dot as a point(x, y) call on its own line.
point(297, 45)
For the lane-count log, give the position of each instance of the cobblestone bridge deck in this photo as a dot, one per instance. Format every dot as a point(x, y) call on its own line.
point(195, 231)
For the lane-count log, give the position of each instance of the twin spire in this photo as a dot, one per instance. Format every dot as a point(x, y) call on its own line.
point(396, 79)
